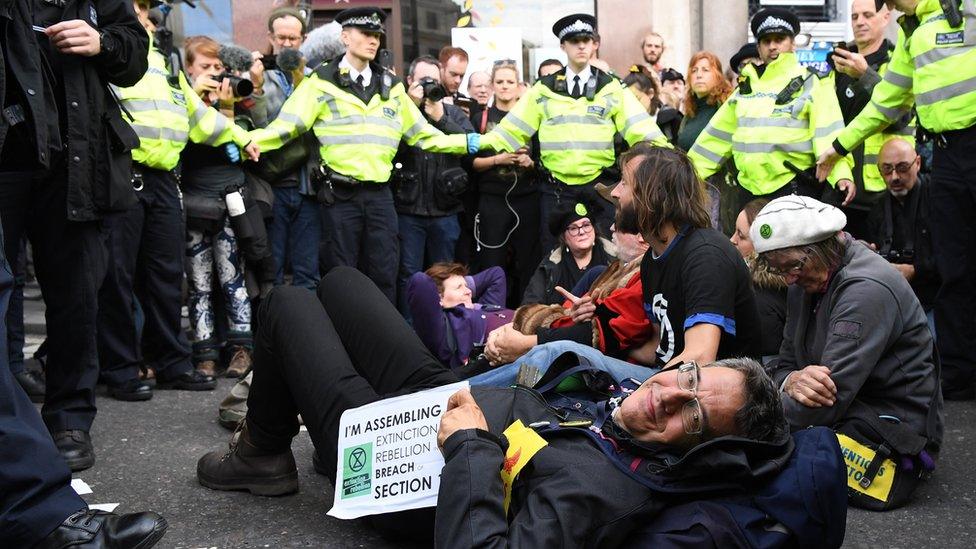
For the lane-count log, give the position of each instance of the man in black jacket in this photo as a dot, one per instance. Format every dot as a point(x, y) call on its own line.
point(609, 465)
point(428, 186)
point(65, 165)
point(899, 223)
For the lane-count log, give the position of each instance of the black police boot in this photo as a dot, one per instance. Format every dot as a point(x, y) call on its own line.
point(318, 465)
point(33, 384)
point(75, 448)
point(131, 390)
point(189, 381)
point(101, 530)
point(247, 467)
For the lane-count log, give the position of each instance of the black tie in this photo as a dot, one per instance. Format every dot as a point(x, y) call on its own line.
point(359, 81)
point(576, 86)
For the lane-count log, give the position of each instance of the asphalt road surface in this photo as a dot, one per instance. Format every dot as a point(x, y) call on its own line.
point(146, 456)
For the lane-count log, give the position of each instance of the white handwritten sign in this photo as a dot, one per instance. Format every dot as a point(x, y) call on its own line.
point(388, 457)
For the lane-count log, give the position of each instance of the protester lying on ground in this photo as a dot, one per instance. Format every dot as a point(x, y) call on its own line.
point(580, 247)
point(697, 289)
point(453, 313)
point(857, 354)
point(697, 429)
point(608, 316)
point(770, 289)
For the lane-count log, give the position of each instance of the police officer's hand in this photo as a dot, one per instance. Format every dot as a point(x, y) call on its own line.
point(812, 387)
point(825, 164)
point(849, 188)
point(252, 151)
point(434, 109)
point(462, 413)
point(907, 271)
point(75, 37)
point(257, 71)
point(850, 63)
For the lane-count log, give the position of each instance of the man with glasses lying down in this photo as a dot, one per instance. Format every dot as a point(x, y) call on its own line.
point(609, 457)
point(857, 354)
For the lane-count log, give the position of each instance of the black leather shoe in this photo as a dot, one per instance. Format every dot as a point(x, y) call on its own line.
point(101, 530)
point(131, 390)
point(190, 381)
point(33, 383)
point(75, 448)
point(246, 467)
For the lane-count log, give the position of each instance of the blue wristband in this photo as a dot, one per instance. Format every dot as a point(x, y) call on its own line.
point(474, 143)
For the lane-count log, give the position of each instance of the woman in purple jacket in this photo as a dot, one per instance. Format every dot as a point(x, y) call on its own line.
point(453, 312)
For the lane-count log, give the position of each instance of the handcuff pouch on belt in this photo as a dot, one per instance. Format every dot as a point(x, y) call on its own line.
point(331, 186)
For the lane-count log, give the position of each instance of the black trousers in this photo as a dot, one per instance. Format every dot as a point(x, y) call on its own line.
point(361, 232)
point(521, 254)
point(147, 249)
point(952, 211)
point(320, 357)
point(558, 194)
point(70, 259)
point(35, 483)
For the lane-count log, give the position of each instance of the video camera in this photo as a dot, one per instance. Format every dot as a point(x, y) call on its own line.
point(163, 39)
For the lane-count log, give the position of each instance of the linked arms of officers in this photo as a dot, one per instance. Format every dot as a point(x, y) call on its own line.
point(209, 127)
point(118, 46)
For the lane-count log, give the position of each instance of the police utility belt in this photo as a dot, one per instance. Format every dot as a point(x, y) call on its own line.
point(331, 185)
point(139, 172)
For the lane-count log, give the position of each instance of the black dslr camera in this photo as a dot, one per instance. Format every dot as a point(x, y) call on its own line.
point(905, 257)
point(432, 89)
point(242, 87)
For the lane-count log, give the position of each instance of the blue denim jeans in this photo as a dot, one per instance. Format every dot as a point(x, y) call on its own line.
point(423, 241)
point(542, 356)
point(294, 232)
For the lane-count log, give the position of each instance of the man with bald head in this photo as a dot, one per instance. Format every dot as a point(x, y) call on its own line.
point(898, 224)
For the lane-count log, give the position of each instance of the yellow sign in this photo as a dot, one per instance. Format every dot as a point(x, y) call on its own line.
point(858, 457)
point(523, 443)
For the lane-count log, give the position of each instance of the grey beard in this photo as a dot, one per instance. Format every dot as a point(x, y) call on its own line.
point(899, 194)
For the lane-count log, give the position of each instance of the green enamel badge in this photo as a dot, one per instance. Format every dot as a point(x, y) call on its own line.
point(765, 231)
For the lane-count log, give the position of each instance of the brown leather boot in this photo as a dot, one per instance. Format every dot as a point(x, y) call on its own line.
point(247, 467)
point(240, 362)
point(207, 368)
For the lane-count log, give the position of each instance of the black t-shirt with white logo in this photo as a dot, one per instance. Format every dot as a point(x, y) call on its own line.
point(701, 278)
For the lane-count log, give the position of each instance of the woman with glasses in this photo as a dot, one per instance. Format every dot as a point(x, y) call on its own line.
point(508, 214)
point(857, 353)
point(580, 248)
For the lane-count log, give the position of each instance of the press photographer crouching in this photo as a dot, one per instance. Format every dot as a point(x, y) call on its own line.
point(899, 222)
point(427, 186)
point(857, 354)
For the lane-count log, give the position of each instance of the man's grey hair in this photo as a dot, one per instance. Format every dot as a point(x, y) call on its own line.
point(322, 44)
point(761, 416)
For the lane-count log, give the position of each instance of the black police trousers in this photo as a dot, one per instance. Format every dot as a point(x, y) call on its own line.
point(70, 259)
point(320, 357)
point(147, 246)
point(35, 483)
point(952, 211)
point(361, 230)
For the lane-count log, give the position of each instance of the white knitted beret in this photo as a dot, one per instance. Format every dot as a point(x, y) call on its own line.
point(794, 221)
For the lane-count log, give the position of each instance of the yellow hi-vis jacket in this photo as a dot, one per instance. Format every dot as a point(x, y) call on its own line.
point(356, 139)
point(164, 117)
point(575, 135)
point(903, 128)
point(934, 67)
point(761, 135)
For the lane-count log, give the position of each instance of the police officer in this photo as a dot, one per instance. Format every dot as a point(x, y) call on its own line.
point(859, 67)
point(776, 122)
point(59, 185)
point(577, 111)
point(934, 66)
point(359, 112)
point(147, 241)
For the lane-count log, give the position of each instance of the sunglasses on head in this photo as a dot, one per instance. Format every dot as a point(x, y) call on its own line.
point(500, 62)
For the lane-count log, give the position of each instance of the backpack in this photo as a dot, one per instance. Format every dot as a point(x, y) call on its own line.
point(805, 505)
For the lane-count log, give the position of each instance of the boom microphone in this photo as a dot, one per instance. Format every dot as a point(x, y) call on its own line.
point(289, 59)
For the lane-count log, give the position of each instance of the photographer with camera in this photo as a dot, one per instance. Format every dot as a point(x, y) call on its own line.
point(295, 227)
point(212, 247)
point(899, 222)
point(427, 186)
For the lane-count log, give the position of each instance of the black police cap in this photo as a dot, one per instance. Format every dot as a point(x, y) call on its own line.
point(747, 51)
point(367, 19)
point(774, 21)
point(577, 24)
